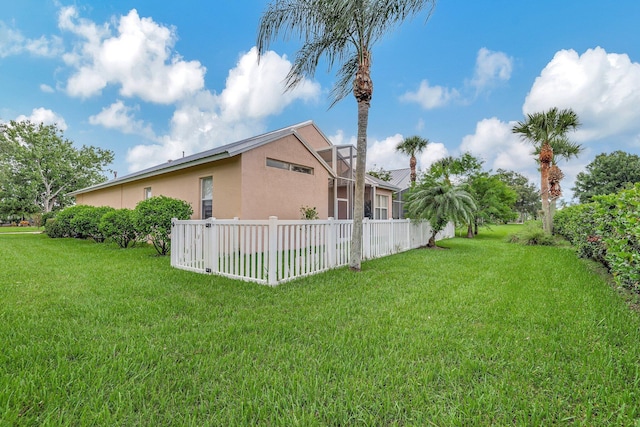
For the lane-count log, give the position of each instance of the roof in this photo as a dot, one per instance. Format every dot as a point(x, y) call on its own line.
point(376, 182)
point(401, 178)
point(212, 155)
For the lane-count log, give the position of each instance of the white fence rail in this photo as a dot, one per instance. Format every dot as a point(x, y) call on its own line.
point(275, 251)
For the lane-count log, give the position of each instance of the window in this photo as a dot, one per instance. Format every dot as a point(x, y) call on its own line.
point(289, 166)
point(206, 197)
point(382, 207)
point(147, 193)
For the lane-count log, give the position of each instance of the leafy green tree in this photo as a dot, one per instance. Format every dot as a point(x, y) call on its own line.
point(380, 173)
point(439, 203)
point(548, 131)
point(411, 147)
point(152, 218)
point(40, 166)
point(494, 201)
point(341, 32)
point(607, 174)
point(118, 226)
point(528, 197)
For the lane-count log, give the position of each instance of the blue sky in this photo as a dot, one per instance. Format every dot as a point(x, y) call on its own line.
point(151, 80)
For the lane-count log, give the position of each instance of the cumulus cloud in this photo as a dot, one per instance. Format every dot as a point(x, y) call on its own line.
point(495, 143)
point(46, 116)
point(13, 42)
point(121, 117)
point(601, 87)
point(137, 56)
point(46, 88)
point(491, 68)
point(253, 91)
point(430, 97)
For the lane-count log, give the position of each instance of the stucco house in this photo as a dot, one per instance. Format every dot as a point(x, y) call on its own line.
point(275, 173)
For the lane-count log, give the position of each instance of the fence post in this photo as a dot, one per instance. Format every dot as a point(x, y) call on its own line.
point(366, 238)
point(175, 250)
point(331, 240)
point(272, 278)
point(214, 254)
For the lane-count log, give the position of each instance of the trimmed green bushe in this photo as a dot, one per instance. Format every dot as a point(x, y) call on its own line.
point(607, 230)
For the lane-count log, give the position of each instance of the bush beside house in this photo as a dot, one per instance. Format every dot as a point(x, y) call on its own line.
point(150, 220)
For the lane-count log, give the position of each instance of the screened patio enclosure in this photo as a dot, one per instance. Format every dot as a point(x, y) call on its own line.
point(377, 194)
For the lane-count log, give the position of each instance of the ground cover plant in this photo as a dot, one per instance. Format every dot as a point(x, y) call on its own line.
point(95, 335)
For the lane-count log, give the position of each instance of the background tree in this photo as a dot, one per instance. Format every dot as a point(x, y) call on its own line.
point(545, 130)
point(41, 166)
point(607, 174)
point(380, 173)
point(494, 199)
point(527, 202)
point(343, 32)
point(411, 147)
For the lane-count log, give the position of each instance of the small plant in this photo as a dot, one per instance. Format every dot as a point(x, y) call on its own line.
point(309, 213)
point(532, 234)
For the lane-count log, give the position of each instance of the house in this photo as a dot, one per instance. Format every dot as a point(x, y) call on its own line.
point(273, 174)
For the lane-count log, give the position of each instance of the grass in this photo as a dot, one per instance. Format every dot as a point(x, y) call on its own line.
point(472, 335)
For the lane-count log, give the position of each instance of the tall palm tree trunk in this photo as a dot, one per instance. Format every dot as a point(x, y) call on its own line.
point(412, 165)
point(546, 157)
point(362, 90)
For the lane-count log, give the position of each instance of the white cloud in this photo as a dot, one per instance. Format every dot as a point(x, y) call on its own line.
point(13, 42)
point(491, 68)
point(46, 88)
point(138, 58)
point(495, 143)
point(383, 153)
point(205, 120)
point(43, 115)
point(430, 97)
point(119, 116)
point(601, 87)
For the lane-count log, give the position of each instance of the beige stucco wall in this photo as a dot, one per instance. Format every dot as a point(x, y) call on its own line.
point(183, 184)
point(270, 191)
point(313, 137)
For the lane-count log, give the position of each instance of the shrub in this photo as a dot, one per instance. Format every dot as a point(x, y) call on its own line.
point(578, 225)
point(617, 216)
point(532, 234)
point(152, 218)
point(118, 226)
point(62, 226)
point(86, 222)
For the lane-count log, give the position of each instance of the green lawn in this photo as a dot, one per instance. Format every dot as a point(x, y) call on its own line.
point(484, 333)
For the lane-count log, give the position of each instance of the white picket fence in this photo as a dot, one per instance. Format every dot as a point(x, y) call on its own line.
point(274, 251)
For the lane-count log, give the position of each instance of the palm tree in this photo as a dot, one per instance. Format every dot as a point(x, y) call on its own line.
point(412, 146)
point(343, 32)
point(548, 131)
point(440, 203)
